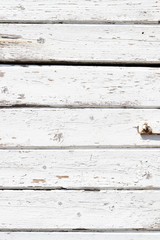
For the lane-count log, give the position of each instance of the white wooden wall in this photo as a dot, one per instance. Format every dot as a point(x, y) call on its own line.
point(77, 79)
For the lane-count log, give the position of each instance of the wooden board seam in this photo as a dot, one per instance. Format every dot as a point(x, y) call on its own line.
point(79, 22)
point(79, 189)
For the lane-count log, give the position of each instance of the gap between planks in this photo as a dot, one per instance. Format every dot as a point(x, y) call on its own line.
point(27, 63)
point(139, 147)
point(17, 106)
point(79, 189)
point(81, 230)
point(80, 22)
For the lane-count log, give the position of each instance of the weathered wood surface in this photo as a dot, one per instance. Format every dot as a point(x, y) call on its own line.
point(80, 86)
point(78, 236)
point(60, 210)
point(83, 11)
point(80, 169)
point(47, 127)
point(80, 43)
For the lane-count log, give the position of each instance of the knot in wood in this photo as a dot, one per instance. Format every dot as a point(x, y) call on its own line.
point(146, 129)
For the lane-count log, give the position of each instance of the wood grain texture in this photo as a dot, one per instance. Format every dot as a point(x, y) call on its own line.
point(97, 86)
point(52, 128)
point(80, 11)
point(80, 43)
point(80, 169)
point(60, 210)
point(78, 236)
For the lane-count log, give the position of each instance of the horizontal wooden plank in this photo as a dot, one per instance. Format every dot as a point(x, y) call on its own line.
point(80, 11)
point(80, 169)
point(80, 43)
point(48, 127)
point(75, 210)
point(78, 236)
point(97, 86)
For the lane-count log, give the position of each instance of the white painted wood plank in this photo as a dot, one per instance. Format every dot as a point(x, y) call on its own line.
point(75, 169)
point(97, 86)
point(145, 11)
point(78, 236)
point(60, 210)
point(80, 43)
point(47, 127)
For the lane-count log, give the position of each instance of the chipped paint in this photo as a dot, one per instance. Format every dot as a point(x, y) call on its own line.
point(61, 177)
point(38, 181)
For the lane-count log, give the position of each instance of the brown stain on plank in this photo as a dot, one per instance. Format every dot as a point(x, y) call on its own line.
point(14, 39)
point(3, 42)
point(1, 74)
point(61, 177)
point(38, 181)
point(21, 96)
